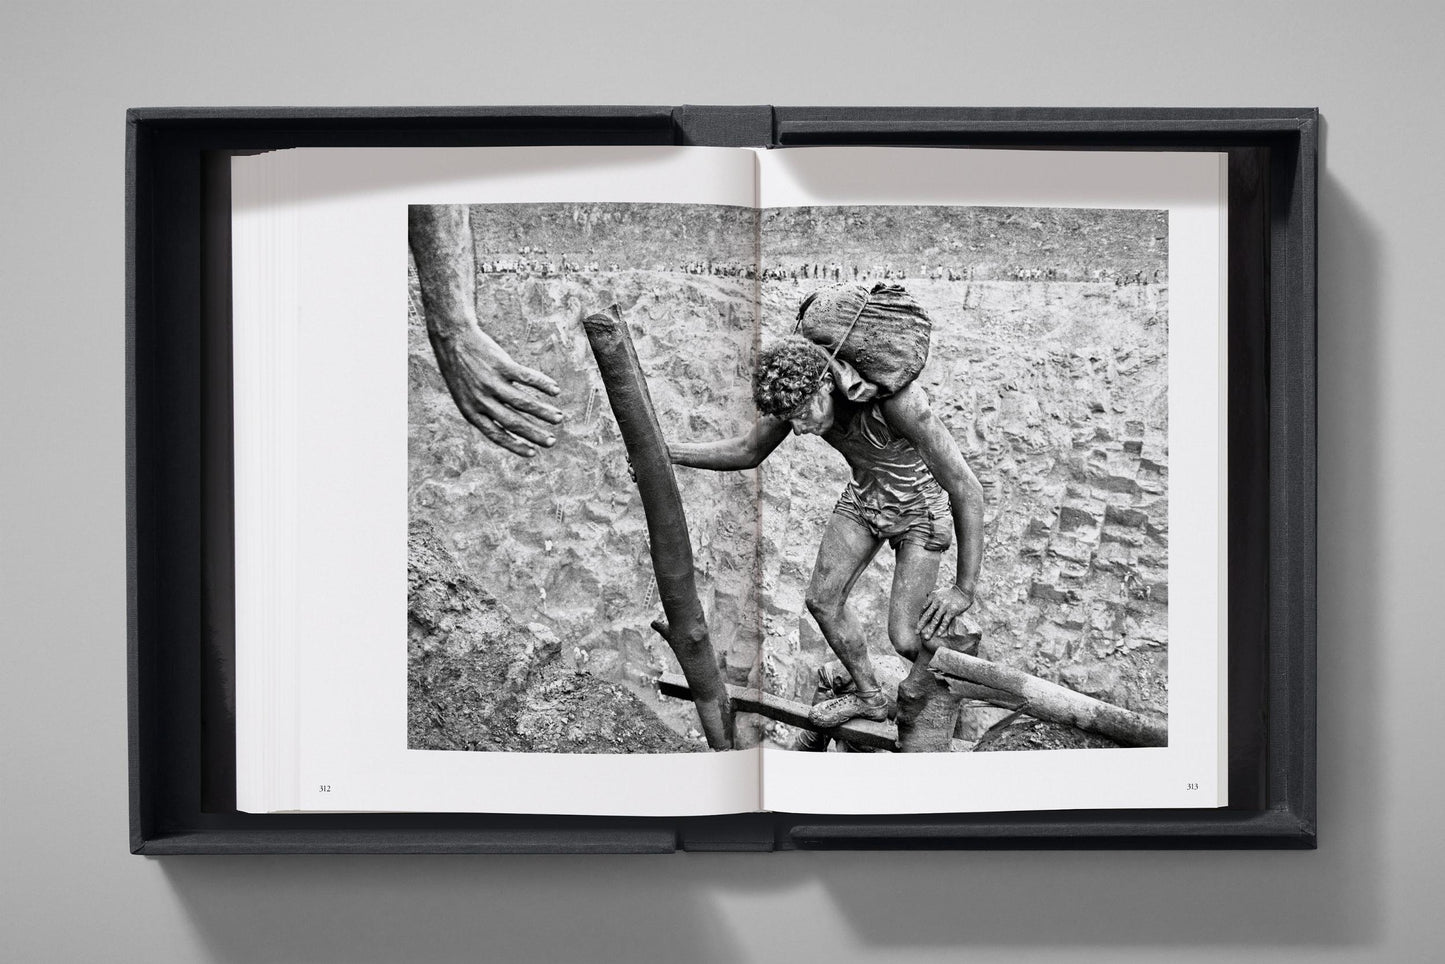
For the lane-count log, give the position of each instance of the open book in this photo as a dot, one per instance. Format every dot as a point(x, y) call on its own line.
point(595, 480)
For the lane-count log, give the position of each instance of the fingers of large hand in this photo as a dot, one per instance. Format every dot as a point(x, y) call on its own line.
point(481, 377)
point(515, 422)
point(480, 390)
point(530, 376)
point(472, 403)
point(497, 434)
point(523, 402)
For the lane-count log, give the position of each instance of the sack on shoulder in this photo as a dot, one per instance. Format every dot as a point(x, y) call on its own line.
point(879, 330)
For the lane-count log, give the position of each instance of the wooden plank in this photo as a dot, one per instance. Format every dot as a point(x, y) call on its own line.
point(836, 675)
point(1055, 703)
point(986, 695)
point(878, 736)
point(865, 733)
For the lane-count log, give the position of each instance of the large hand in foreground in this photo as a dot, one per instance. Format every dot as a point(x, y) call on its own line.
point(943, 607)
point(483, 381)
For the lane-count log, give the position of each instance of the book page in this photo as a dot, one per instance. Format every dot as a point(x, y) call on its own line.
point(469, 627)
point(1070, 503)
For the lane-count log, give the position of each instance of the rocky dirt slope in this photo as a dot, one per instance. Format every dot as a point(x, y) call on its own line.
point(478, 680)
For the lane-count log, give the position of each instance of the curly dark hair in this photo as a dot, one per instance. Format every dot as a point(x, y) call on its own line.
point(788, 372)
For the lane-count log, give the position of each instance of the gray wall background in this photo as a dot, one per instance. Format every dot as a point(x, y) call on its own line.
point(72, 892)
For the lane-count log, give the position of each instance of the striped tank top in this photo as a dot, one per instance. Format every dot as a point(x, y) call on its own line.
point(888, 472)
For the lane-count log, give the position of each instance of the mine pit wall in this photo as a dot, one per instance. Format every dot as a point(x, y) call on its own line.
point(1055, 391)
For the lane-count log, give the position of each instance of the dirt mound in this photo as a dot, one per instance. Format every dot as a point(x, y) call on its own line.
point(1041, 735)
point(477, 680)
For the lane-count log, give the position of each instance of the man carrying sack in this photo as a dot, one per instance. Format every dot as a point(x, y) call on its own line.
point(849, 375)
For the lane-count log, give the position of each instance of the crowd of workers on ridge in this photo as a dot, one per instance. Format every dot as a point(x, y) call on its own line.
point(536, 261)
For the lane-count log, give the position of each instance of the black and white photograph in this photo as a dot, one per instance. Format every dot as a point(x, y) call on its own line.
point(858, 478)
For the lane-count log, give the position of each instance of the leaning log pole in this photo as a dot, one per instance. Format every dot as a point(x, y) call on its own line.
point(685, 628)
point(1052, 702)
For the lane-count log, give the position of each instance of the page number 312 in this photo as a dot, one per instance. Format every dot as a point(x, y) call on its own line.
point(326, 787)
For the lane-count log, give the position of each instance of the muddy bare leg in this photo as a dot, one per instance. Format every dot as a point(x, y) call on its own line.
point(927, 711)
point(846, 550)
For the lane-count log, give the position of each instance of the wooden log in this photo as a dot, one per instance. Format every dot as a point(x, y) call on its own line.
point(986, 694)
point(686, 627)
point(836, 675)
point(1052, 702)
point(927, 715)
point(865, 733)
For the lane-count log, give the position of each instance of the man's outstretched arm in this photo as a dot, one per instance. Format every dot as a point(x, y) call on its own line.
point(483, 379)
point(744, 452)
point(910, 414)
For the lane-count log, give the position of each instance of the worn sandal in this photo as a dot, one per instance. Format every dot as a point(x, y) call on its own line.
point(841, 709)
